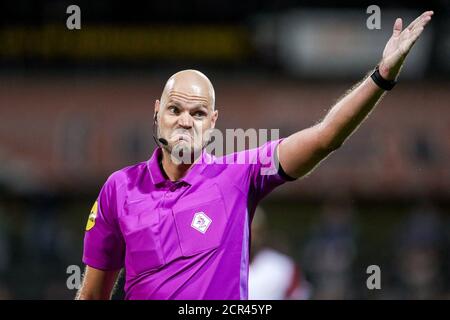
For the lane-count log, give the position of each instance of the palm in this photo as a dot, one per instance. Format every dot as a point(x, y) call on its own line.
point(401, 42)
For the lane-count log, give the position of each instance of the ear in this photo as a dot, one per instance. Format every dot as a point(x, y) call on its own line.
point(156, 108)
point(214, 118)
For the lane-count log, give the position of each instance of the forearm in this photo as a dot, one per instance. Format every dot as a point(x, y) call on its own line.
point(87, 292)
point(348, 113)
point(97, 284)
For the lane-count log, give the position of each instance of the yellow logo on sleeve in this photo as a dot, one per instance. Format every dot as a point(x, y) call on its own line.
point(91, 221)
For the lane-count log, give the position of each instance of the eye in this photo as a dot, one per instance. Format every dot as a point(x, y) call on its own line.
point(199, 114)
point(173, 109)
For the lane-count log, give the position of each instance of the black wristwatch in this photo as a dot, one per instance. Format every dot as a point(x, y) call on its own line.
point(381, 82)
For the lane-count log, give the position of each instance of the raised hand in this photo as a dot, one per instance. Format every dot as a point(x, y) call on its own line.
point(401, 41)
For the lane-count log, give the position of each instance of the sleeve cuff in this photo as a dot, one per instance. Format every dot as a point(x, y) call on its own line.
point(281, 171)
point(94, 263)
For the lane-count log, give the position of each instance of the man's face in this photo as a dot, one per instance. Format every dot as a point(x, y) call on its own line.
point(185, 113)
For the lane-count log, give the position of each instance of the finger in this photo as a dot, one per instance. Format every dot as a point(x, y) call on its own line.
point(422, 23)
point(397, 27)
point(426, 18)
point(412, 24)
point(419, 19)
point(410, 36)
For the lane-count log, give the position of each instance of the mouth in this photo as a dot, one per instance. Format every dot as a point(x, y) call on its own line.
point(182, 137)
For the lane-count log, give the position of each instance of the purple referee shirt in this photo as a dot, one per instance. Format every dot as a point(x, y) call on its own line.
point(187, 239)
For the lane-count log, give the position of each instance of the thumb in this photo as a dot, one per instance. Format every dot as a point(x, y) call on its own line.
point(397, 27)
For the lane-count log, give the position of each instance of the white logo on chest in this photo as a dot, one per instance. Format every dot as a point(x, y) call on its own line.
point(201, 222)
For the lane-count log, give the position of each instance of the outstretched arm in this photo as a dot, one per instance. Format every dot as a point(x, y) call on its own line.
point(302, 151)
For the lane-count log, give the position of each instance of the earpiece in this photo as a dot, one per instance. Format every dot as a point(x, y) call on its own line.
point(163, 141)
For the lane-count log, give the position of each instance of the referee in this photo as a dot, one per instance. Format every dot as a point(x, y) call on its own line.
point(181, 230)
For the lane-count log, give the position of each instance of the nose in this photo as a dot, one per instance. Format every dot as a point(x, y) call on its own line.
point(185, 120)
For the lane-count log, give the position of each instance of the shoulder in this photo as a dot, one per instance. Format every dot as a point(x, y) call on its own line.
point(126, 175)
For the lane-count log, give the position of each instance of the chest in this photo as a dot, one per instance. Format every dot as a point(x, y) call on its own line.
point(178, 222)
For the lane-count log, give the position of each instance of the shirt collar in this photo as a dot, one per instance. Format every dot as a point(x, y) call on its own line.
point(158, 177)
point(154, 170)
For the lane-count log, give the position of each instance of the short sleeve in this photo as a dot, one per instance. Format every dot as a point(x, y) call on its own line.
point(104, 246)
point(266, 173)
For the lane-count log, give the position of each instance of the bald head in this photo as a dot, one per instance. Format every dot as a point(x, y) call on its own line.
point(186, 112)
point(190, 85)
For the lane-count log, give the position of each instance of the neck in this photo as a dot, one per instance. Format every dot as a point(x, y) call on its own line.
point(174, 171)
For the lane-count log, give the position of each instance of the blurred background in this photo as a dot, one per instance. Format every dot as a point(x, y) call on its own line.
point(76, 105)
